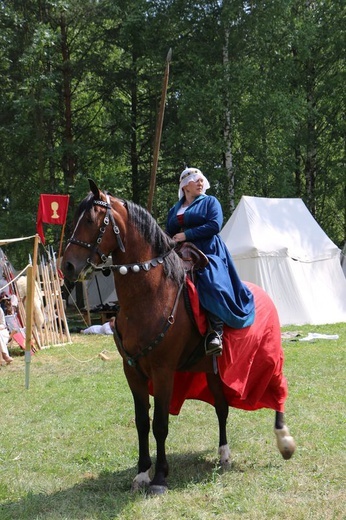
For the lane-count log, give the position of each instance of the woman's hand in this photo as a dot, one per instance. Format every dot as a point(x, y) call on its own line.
point(179, 237)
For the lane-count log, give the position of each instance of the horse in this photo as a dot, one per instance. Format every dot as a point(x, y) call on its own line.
point(161, 340)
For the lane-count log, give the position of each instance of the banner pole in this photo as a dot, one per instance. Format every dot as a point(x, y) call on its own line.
point(60, 245)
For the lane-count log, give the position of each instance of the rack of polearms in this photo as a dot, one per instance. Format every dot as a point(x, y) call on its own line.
point(49, 323)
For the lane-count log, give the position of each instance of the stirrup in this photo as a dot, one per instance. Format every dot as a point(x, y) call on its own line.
point(213, 343)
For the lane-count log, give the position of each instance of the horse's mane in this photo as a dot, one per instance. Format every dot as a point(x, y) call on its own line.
point(149, 229)
point(85, 205)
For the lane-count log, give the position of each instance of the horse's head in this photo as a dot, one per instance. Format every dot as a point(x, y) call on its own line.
point(95, 236)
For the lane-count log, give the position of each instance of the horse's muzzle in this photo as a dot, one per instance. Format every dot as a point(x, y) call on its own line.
point(69, 271)
point(74, 271)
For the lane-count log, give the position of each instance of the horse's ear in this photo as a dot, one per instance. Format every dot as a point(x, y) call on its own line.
point(94, 188)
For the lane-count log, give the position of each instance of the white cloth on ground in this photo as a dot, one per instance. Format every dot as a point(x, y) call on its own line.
point(315, 335)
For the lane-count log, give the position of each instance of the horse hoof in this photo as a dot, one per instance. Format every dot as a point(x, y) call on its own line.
point(157, 490)
point(225, 457)
point(285, 442)
point(141, 481)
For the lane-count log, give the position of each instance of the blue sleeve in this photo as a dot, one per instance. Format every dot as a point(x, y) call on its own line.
point(172, 226)
point(211, 223)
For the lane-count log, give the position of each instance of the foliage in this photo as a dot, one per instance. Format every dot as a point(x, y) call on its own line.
point(81, 84)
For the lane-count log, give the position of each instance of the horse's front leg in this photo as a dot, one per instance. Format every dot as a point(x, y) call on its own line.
point(139, 388)
point(221, 409)
point(284, 439)
point(162, 398)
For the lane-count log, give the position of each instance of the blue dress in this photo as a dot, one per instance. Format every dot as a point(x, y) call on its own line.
point(219, 287)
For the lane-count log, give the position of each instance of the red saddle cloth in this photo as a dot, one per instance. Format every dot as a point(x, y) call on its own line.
point(251, 365)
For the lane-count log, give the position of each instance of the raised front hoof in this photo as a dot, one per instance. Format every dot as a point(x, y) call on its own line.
point(285, 442)
point(156, 489)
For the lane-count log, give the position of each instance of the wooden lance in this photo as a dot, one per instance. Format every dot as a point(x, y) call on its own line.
point(158, 132)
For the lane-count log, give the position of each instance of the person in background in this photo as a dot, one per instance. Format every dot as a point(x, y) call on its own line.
point(198, 218)
point(4, 338)
point(106, 328)
point(11, 317)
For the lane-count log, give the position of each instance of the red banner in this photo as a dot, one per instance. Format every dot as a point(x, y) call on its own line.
point(52, 209)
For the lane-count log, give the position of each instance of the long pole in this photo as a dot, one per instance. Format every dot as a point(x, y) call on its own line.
point(86, 302)
point(29, 311)
point(158, 132)
point(60, 245)
point(29, 321)
point(60, 305)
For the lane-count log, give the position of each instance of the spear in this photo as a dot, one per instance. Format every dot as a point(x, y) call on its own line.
point(158, 131)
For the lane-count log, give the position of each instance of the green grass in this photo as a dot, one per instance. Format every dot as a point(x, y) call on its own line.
point(68, 445)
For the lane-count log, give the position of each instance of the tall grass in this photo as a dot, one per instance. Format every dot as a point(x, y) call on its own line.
point(68, 445)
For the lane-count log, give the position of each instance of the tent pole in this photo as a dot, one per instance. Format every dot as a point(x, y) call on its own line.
point(86, 302)
point(98, 289)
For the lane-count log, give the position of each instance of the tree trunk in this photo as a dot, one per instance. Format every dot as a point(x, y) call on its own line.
point(228, 126)
point(134, 152)
point(310, 168)
point(68, 159)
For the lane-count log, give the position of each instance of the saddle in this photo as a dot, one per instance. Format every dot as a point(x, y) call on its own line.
point(192, 258)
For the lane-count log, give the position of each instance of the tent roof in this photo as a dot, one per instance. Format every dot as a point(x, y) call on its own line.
point(276, 227)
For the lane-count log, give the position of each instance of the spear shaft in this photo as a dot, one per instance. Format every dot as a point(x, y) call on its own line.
point(158, 132)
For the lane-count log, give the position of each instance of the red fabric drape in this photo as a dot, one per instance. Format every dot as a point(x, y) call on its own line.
point(251, 365)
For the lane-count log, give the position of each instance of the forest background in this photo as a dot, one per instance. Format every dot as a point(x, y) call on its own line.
point(256, 100)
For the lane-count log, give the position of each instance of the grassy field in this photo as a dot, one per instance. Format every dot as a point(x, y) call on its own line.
point(68, 445)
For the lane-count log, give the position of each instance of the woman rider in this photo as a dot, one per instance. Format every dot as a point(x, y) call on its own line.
point(198, 218)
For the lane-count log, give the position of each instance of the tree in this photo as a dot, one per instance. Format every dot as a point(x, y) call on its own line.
point(255, 99)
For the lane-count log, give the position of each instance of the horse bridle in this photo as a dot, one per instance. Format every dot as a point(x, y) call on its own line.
point(95, 249)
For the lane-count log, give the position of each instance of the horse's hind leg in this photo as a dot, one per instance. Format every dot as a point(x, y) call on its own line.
point(285, 441)
point(221, 409)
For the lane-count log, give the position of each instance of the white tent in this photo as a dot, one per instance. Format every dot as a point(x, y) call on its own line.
point(100, 290)
point(278, 245)
point(343, 259)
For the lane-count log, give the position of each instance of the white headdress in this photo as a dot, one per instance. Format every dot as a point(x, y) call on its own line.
point(191, 174)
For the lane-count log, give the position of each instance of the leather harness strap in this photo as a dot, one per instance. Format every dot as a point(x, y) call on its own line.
point(132, 360)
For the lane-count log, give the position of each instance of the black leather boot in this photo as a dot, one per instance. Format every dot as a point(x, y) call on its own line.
point(213, 340)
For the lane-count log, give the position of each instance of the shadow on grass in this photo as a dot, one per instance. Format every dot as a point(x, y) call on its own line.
point(101, 497)
point(107, 495)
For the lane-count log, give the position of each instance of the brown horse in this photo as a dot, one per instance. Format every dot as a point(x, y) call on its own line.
point(158, 338)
